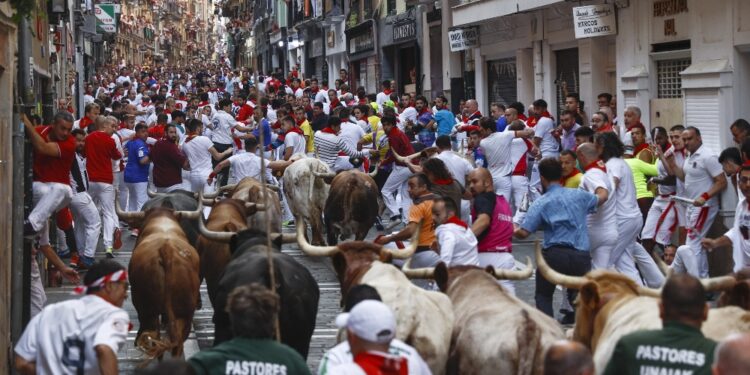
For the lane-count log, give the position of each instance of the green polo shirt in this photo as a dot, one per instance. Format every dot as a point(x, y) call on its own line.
point(676, 349)
point(243, 356)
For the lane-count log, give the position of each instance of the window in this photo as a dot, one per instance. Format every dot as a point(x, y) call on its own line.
point(501, 81)
point(668, 80)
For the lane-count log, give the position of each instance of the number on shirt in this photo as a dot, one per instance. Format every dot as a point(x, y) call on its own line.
point(72, 359)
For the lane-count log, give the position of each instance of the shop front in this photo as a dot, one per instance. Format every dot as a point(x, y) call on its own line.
point(335, 52)
point(399, 36)
point(363, 60)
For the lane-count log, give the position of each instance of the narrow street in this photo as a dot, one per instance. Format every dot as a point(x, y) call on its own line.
point(324, 337)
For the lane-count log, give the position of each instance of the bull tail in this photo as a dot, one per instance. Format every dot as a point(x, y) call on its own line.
point(529, 339)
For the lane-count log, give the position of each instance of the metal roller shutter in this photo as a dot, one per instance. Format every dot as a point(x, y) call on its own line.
point(702, 111)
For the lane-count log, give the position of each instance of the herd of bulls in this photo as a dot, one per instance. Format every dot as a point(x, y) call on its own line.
point(472, 326)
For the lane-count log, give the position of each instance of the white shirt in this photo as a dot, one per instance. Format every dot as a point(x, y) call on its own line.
point(458, 245)
point(627, 202)
point(496, 149)
point(321, 97)
point(408, 114)
point(740, 245)
point(74, 327)
point(380, 99)
point(223, 124)
point(518, 150)
point(247, 165)
point(548, 146)
point(339, 358)
point(351, 134)
point(122, 79)
point(299, 92)
point(198, 154)
point(296, 142)
point(458, 166)
point(700, 169)
point(604, 220)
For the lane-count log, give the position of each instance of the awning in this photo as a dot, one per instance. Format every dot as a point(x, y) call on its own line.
point(479, 10)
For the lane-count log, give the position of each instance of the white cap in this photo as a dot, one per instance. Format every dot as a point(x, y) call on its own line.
point(371, 321)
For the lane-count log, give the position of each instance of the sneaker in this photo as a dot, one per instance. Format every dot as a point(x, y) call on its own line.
point(117, 239)
point(135, 232)
point(74, 260)
point(395, 218)
point(28, 230)
point(85, 263)
point(109, 253)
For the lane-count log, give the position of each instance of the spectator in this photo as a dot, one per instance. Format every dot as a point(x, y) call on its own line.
point(95, 324)
point(568, 358)
point(342, 354)
point(562, 214)
point(168, 161)
point(683, 310)
point(251, 309)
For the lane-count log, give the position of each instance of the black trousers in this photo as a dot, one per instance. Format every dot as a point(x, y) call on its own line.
point(565, 260)
point(223, 176)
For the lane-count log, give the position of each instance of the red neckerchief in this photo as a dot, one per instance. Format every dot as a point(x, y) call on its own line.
point(667, 147)
point(640, 148)
point(443, 181)
point(295, 130)
point(598, 164)
point(681, 151)
point(423, 111)
point(301, 121)
point(190, 137)
point(308, 109)
point(382, 364)
point(454, 220)
point(571, 175)
point(387, 92)
point(335, 103)
point(546, 114)
point(362, 101)
point(522, 117)
point(314, 90)
point(328, 130)
point(606, 128)
point(204, 103)
point(636, 125)
point(469, 118)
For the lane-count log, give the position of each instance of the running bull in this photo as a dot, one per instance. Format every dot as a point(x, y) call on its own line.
point(480, 302)
point(351, 207)
point(424, 319)
point(307, 193)
point(251, 190)
point(249, 263)
point(611, 305)
point(164, 278)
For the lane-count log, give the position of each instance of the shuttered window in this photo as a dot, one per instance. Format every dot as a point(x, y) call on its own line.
point(702, 111)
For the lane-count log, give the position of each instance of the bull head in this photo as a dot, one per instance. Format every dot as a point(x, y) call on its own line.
point(324, 251)
point(498, 273)
point(226, 237)
point(132, 217)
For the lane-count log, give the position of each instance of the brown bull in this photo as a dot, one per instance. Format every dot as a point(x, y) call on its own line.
point(251, 190)
point(164, 281)
point(611, 305)
point(351, 206)
point(739, 294)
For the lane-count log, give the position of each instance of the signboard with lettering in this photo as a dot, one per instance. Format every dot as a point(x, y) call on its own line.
point(463, 38)
point(405, 30)
point(594, 20)
point(361, 43)
point(317, 47)
point(105, 17)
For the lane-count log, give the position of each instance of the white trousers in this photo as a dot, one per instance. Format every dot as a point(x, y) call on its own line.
point(396, 183)
point(661, 222)
point(535, 182)
point(698, 222)
point(138, 193)
point(602, 243)
point(519, 187)
point(628, 252)
point(38, 297)
point(103, 195)
point(87, 223)
point(504, 261)
point(198, 182)
point(502, 186)
point(48, 197)
point(122, 189)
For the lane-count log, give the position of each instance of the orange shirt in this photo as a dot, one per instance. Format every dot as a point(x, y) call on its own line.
point(422, 211)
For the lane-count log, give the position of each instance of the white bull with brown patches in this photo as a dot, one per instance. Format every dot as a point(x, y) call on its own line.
point(424, 319)
point(611, 305)
point(306, 193)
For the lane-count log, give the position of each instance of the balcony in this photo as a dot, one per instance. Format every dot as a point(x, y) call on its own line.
point(473, 11)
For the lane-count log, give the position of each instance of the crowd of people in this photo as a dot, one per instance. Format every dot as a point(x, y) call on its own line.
point(607, 192)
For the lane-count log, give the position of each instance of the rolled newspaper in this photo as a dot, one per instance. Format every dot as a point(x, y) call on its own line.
point(682, 199)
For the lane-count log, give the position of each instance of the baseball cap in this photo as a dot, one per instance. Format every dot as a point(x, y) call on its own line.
point(371, 321)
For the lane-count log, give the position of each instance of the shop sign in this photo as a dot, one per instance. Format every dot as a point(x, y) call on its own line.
point(663, 8)
point(361, 43)
point(317, 47)
point(463, 38)
point(105, 17)
point(594, 20)
point(404, 30)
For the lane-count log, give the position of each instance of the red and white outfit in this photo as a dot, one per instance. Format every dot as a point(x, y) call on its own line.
point(497, 151)
point(519, 151)
point(51, 187)
point(458, 245)
point(196, 149)
point(664, 215)
point(101, 150)
point(700, 169)
point(740, 236)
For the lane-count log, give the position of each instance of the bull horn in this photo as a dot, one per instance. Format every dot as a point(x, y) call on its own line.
point(273, 187)
point(126, 216)
point(315, 251)
point(207, 201)
point(254, 207)
point(285, 237)
point(405, 159)
point(324, 174)
point(154, 194)
point(192, 215)
point(570, 282)
point(409, 250)
point(220, 190)
point(714, 284)
point(213, 235)
point(419, 273)
point(375, 172)
point(505, 274)
point(649, 292)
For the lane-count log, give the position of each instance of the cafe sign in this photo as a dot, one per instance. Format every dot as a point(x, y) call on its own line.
point(463, 38)
point(404, 30)
point(594, 20)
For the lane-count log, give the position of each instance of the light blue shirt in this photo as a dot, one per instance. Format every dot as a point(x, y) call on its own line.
point(562, 214)
point(445, 122)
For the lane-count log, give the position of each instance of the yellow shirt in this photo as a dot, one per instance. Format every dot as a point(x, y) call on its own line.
point(383, 146)
point(308, 132)
point(641, 172)
point(374, 121)
point(573, 181)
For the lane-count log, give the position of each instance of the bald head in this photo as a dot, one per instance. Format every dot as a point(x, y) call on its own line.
point(568, 358)
point(472, 105)
point(480, 181)
point(731, 355)
point(587, 153)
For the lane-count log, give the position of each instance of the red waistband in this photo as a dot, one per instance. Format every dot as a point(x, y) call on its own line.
point(501, 249)
point(666, 195)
